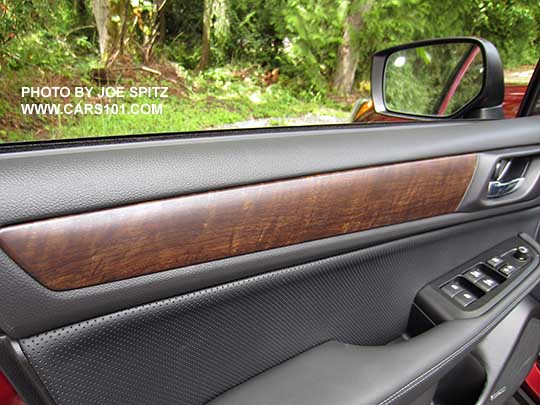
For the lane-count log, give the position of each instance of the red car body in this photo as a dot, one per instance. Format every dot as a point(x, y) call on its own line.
point(513, 95)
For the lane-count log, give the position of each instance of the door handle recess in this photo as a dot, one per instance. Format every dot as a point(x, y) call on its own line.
point(497, 189)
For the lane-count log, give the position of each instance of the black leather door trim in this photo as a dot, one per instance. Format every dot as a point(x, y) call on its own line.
point(30, 308)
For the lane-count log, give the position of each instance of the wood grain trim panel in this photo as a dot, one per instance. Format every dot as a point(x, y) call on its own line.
point(92, 248)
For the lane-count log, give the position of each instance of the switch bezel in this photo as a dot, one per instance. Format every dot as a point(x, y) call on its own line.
point(440, 307)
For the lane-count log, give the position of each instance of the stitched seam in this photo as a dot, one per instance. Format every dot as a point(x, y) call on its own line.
point(443, 362)
point(418, 380)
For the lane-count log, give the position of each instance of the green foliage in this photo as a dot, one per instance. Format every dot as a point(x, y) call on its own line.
point(302, 36)
point(18, 16)
point(38, 34)
point(256, 34)
point(178, 51)
point(299, 36)
point(312, 32)
point(183, 19)
point(44, 40)
point(512, 25)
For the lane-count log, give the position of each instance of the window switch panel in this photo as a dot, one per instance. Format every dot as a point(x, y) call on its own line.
point(469, 288)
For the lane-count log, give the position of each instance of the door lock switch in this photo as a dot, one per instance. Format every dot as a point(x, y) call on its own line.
point(465, 298)
point(507, 270)
point(495, 262)
point(452, 288)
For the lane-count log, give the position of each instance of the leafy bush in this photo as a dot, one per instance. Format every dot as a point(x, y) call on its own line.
point(313, 31)
point(40, 34)
point(512, 25)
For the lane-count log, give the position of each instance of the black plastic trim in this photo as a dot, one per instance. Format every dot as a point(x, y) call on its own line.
point(532, 95)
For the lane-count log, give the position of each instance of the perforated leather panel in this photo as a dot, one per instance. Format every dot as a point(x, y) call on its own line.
point(189, 349)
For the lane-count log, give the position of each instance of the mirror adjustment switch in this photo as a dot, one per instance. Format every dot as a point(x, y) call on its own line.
point(452, 289)
point(522, 254)
point(507, 270)
point(495, 262)
point(465, 298)
point(487, 284)
point(474, 275)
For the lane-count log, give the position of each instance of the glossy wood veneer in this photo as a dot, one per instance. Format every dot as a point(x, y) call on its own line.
point(92, 248)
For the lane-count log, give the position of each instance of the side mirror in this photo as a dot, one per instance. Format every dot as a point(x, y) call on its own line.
point(439, 79)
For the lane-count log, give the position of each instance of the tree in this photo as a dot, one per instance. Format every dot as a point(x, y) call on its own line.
point(134, 22)
point(149, 25)
point(162, 21)
point(101, 11)
point(205, 47)
point(215, 27)
point(348, 51)
point(111, 20)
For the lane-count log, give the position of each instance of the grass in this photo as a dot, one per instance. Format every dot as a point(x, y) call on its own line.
point(195, 114)
point(216, 99)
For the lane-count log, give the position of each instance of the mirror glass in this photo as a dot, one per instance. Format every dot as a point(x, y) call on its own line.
point(435, 80)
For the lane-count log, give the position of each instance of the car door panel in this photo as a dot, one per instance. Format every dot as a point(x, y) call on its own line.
point(165, 234)
point(348, 271)
point(210, 340)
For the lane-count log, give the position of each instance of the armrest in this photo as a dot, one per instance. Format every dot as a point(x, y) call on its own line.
point(342, 374)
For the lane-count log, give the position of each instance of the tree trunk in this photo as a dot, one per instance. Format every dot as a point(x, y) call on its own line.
point(101, 11)
point(205, 48)
point(123, 29)
point(110, 32)
point(162, 21)
point(348, 50)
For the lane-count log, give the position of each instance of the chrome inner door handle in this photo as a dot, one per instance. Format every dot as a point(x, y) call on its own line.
point(498, 188)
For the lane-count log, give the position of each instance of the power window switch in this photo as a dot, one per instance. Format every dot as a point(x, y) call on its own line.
point(487, 284)
point(465, 298)
point(495, 262)
point(474, 275)
point(452, 289)
point(507, 270)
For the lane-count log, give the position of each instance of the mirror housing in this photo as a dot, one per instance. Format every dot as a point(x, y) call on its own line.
point(487, 104)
